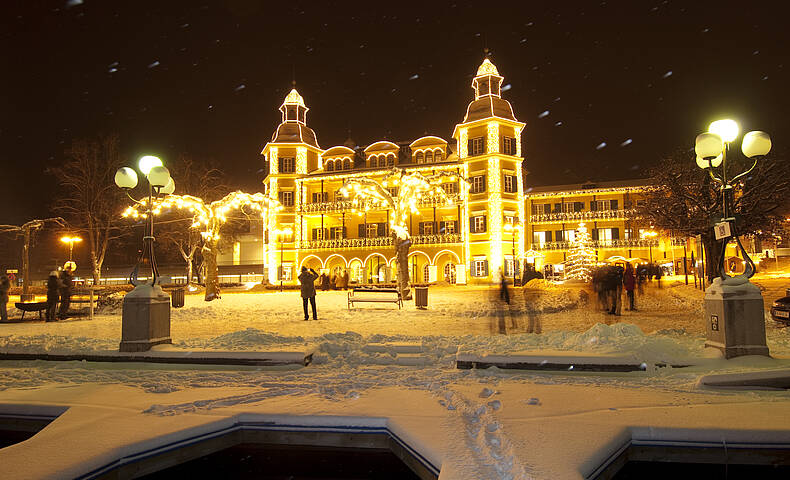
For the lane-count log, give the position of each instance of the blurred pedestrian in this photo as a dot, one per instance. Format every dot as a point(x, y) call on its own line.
point(629, 282)
point(641, 279)
point(5, 285)
point(614, 285)
point(504, 294)
point(659, 274)
point(345, 279)
point(66, 285)
point(307, 285)
point(53, 292)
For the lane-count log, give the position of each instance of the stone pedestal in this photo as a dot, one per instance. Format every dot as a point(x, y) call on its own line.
point(735, 318)
point(146, 319)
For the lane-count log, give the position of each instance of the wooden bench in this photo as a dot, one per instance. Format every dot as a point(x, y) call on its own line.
point(374, 295)
point(32, 307)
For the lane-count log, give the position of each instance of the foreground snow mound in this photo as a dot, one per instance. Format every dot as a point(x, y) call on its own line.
point(546, 297)
point(248, 339)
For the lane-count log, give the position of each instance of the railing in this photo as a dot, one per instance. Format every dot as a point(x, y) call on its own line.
point(588, 215)
point(619, 243)
point(337, 206)
point(437, 200)
point(341, 243)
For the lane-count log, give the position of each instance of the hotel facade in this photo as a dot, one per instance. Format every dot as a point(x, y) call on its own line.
point(488, 224)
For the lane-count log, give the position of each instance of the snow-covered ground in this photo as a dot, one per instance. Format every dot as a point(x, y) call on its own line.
point(491, 424)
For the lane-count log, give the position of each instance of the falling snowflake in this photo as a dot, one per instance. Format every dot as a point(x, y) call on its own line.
point(543, 114)
point(601, 145)
point(627, 142)
point(113, 70)
point(507, 87)
point(73, 3)
point(240, 87)
point(154, 64)
point(414, 77)
point(668, 74)
point(558, 124)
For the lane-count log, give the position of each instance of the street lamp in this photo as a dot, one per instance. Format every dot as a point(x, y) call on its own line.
point(649, 236)
point(733, 305)
point(513, 228)
point(281, 235)
point(146, 309)
point(71, 241)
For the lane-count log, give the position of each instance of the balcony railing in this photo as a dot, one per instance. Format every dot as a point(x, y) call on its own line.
point(436, 200)
point(619, 243)
point(319, 207)
point(561, 217)
point(345, 243)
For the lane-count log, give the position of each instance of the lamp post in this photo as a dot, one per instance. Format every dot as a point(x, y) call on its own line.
point(733, 305)
point(281, 234)
point(71, 241)
point(513, 228)
point(649, 236)
point(146, 309)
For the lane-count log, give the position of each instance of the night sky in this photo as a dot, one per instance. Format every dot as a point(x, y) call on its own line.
point(605, 88)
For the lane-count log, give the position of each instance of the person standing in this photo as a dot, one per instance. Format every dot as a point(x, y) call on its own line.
point(53, 290)
point(504, 294)
point(307, 283)
point(5, 285)
point(66, 280)
point(629, 282)
point(345, 279)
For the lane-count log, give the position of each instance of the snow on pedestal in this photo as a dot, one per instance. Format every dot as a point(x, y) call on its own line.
point(146, 318)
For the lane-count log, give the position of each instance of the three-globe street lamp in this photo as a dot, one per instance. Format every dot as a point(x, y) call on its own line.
point(513, 228)
point(734, 307)
point(711, 148)
point(159, 182)
point(146, 309)
point(281, 235)
point(649, 236)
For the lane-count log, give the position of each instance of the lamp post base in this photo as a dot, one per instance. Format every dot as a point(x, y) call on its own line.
point(735, 318)
point(146, 319)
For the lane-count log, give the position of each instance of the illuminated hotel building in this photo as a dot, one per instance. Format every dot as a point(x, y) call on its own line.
point(465, 241)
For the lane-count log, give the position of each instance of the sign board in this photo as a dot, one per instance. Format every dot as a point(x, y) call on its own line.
point(12, 270)
point(722, 230)
point(714, 323)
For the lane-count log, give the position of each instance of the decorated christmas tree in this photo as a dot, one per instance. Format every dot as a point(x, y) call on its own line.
point(581, 256)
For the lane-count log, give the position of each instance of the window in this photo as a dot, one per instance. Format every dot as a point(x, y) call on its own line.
point(347, 164)
point(476, 146)
point(419, 157)
point(429, 157)
point(541, 238)
point(286, 164)
point(478, 224)
point(319, 197)
point(426, 273)
point(390, 160)
point(509, 145)
point(329, 165)
point(318, 234)
point(450, 188)
point(599, 205)
point(337, 233)
point(478, 184)
point(449, 273)
point(510, 184)
point(541, 208)
point(438, 156)
point(448, 227)
point(479, 267)
point(511, 219)
point(509, 267)
point(371, 230)
point(286, 198)
point(393, 191)
point(426, 228)
point(606, 235)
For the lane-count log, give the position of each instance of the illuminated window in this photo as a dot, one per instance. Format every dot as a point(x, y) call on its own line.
point(319, 197)
point(429, 157)
point(426, 273)
point(478, 224)
point(476, 146)
point(390, 160)
point(509, 145)
point(419, 157)
point(426, 228)
point(286, 198)
point(448, 227)
point(479, 267)
point(372, 230)
point(319, 234)
point(336, 233)
point(438, 156)
point(450, 188)
point(347, 164)
point(478, 184)
point(510, 184)
point(286, 164)
point(329, 165)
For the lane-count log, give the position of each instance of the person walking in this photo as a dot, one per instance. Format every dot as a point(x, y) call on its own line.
point(345, 279)
point(504, 294)
point(629, 282)
point(659, 274)
point(66, 280)
point(307, 283)
point(53, 291)
point(5, 285)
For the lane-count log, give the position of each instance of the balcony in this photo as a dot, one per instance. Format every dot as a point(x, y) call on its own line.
point(620, 243)
point(583, 216)
point(438, 201)
point(326, 207)
point(373, 242)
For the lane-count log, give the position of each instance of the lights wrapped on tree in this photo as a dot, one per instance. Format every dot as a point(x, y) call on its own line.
point(581, 256)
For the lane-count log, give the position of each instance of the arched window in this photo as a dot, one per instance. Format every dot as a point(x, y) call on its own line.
point(329, 165)
point(390, 160)
point(426, 273)
point(346, 164)
point(429, 157)
point(437, 156)
point(419, 157)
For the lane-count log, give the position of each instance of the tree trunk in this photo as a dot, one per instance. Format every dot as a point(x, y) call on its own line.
point(402, 257)
point(189, 271)
point(212, 270)
point(26, 263)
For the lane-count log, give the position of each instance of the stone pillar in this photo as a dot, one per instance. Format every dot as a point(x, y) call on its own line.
point(735, 318)
point(146, 319)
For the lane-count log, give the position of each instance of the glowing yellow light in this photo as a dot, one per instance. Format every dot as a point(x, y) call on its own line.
point(148, 162)
point(493, 137)
point(293, 98)
point(727, 129)
point(487, 68)
point(463, 139)
point(70, 239)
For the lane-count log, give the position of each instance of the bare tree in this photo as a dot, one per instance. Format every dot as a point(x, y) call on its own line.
point(685, 199)
point(28, 231)
point(88, 197)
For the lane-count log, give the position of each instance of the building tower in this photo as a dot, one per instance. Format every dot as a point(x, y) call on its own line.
point(292, 153)
point(489, 148)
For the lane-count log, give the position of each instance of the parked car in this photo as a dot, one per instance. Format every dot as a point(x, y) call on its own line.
point(780, 310)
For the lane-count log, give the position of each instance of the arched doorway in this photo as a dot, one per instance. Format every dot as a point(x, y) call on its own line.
point(449, 273)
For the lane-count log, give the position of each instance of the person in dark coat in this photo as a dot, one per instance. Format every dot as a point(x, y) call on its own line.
point(629, 283)
point(307, 284)
point(5, 285)
point(504, 294)
point(345, 279)
point(324, 282)
point(53, 292)
point(65, 292)
point(614, 285)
